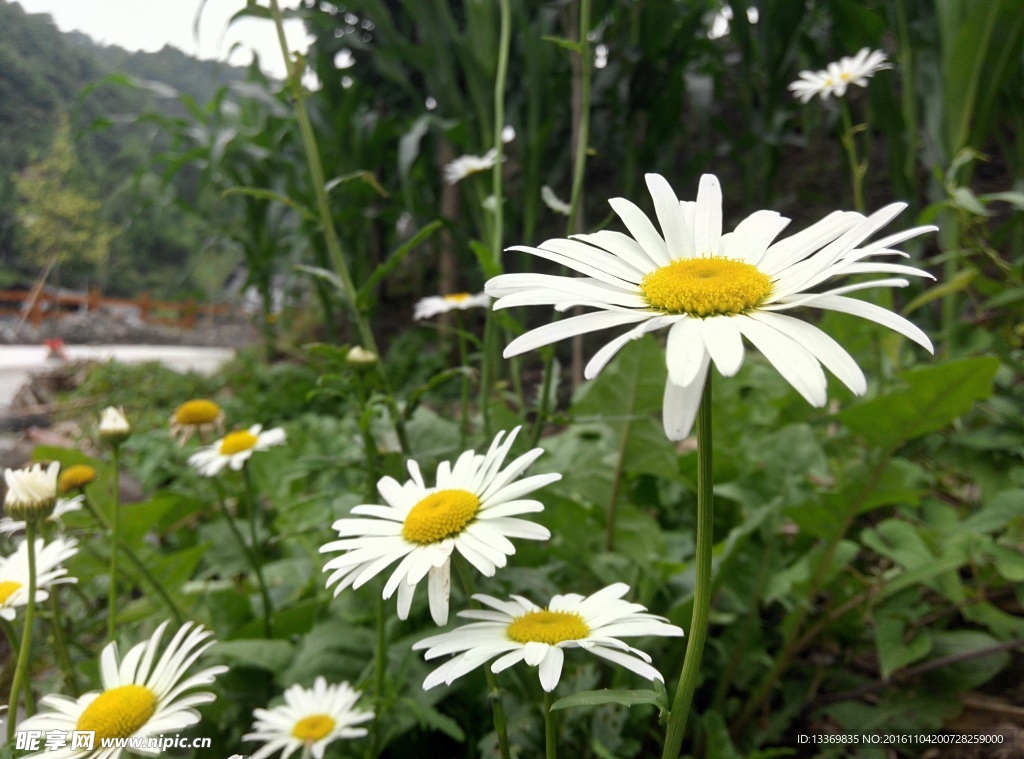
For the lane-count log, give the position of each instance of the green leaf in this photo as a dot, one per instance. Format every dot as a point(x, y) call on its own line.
point(592, 698)
point(366, 176)
point(933, 396)
point(954, 285)
point(264, 194)
point(428, 716)
point(273, 655)
point(997, 513)
point(971, 672)
point(893, 652)
point(394, 259)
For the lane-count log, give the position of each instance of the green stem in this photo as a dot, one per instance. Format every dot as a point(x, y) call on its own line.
point(334, 250)
point(253, 561)
point(464, 401)
point(857, 169)
point(493, 692)
point(60, 644)
point(21, 672)
point(139, 565)
point(583, 131)
point(550, 744)
point(253, 511)
point(115, 542)
point(488, 361)
point(702, 588)
point(380, 664)
point(545, 392)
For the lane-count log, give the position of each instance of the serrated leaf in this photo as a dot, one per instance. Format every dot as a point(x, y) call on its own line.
point(933, 397)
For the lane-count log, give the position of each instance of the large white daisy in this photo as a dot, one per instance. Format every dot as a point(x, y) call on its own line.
point(139, 698)
point(234, 449)
point(472, 509)
point(712, 289)
point(519, 630)
point(14, 572)
point(311, 717)
point(839, 75)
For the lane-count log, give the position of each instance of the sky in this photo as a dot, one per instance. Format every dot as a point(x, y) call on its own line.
point(151, 24)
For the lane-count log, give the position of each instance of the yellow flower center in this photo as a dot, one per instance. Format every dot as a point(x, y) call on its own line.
point(440, 515)
point(457, 298)
point(712, 286)
point(7, 589)
point(236, 442)
point(313, 728)
point(546, 626)
point(118, 712)
point(197, 412)
point(845, 76)
point(75, 477)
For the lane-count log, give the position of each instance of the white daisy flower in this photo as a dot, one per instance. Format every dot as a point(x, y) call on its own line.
point(139, 698)
point(234, 449)
point(519, 630)
point(64, 506)
point(467, 165)
point(472, 509)
point(713, 289)
point(838, 76)
point(14, 572)
point(311, 717)
point(441, 304)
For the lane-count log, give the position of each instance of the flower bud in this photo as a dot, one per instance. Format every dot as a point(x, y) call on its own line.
point(31, 492)
point(114, 427)
point(361, 359)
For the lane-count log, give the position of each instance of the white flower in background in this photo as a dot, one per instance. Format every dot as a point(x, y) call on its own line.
point(838, 76)
point(311, 717)
point(441, 304)
point(14, 572)
point(114, 427)
point(31, 491)
point(467, 165)
point(64, 506)
point(472, 509)
point(139, 698)
point(554, 202)
point(234, 449)
point(712, 290)
point(519, 630)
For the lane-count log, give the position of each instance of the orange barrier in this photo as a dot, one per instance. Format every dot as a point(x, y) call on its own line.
point(53, 306)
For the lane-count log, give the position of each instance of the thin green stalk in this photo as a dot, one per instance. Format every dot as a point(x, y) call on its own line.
point(268, 624)
point(857, 169)
point(545, 392)
point(253, 511)
point(115, 542)
point(60, 644)
point(493, 693)
point(550, 734)
point(464, 400)
point(331, 239)
point(380, 669)
point(139, 565)
point(21, 671)
point(702, 589)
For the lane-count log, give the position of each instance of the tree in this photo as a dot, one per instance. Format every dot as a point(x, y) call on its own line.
point(59, 211)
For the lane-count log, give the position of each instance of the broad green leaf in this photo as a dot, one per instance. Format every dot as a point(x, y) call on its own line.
point(273, 655)
point(893, 652)
point(997, 513)
point(932, 397)
point(971, 672)
point(592, 698)
point(428, 716)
